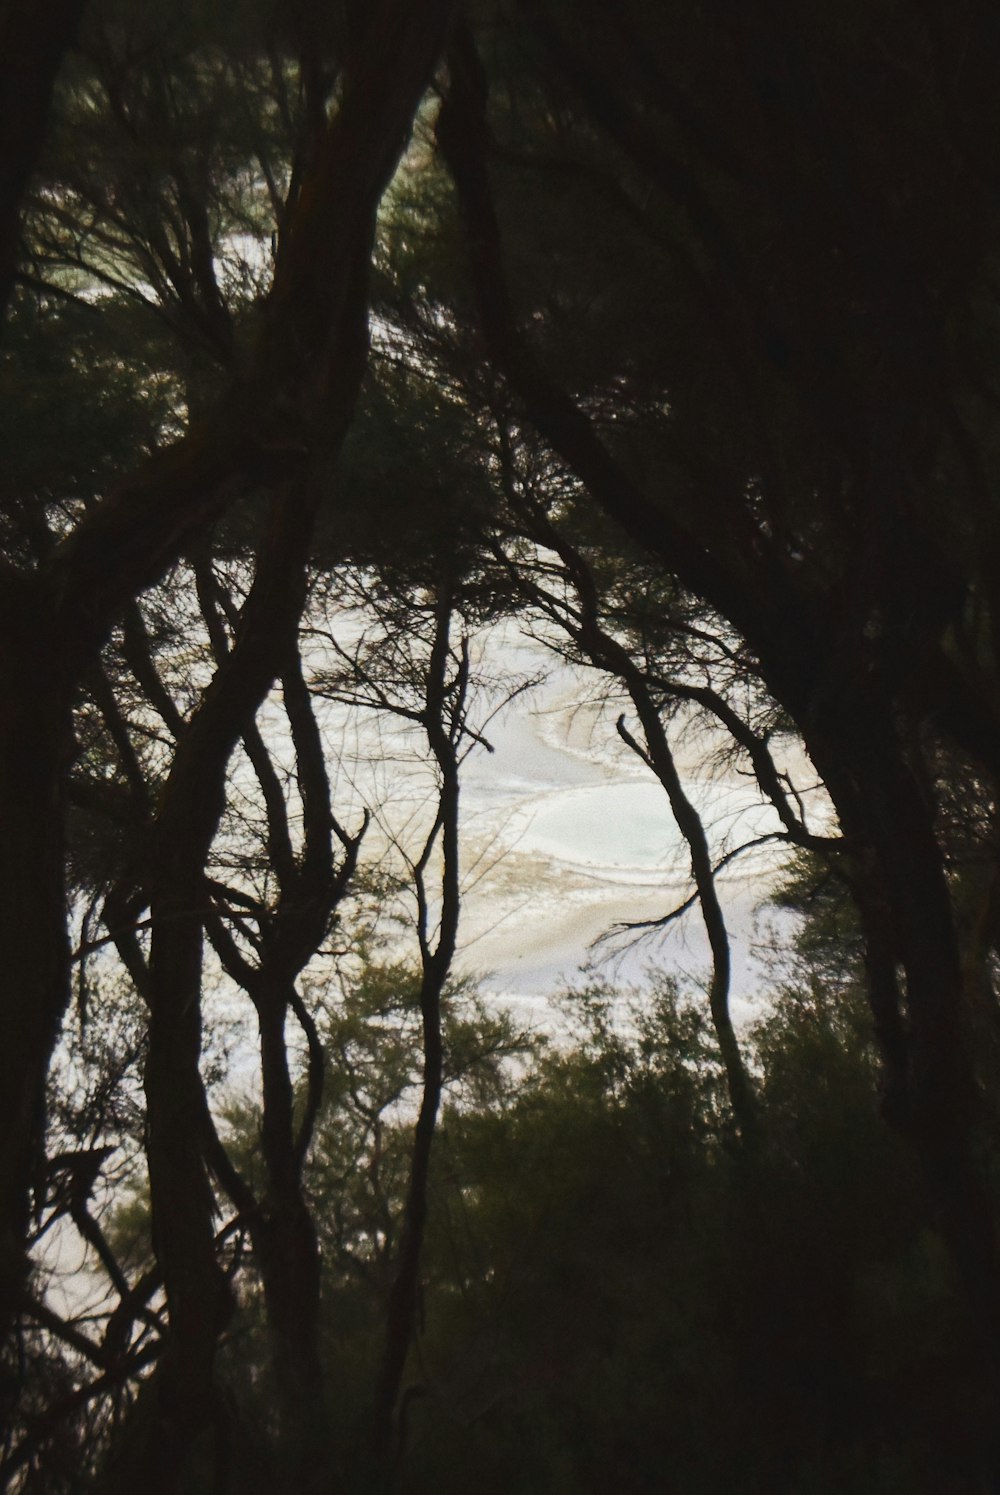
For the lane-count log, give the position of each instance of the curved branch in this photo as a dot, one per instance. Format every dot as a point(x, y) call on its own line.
point(659, 759)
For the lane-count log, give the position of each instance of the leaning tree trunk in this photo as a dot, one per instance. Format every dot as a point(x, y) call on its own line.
point(934, 1094)
point(183, 1203)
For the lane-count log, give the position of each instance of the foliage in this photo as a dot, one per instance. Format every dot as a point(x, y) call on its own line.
point(331, 339)
point(613, 1291)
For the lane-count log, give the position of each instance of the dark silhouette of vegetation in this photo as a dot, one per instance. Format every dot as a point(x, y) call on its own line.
point(335, 337)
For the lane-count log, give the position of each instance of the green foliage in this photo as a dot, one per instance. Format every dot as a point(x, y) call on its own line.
point(616, 1294)
point(612, 1287)
point(413, 490)
point(83, 396)
point(616, 1297)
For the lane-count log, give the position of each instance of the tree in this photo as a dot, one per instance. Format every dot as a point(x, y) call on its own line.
point(723, 286)
point(794, 269)
point(292, 401)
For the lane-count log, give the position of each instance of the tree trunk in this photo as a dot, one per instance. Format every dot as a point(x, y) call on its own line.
point(444, 705)
point(301, 395)
point(30, 54)
point(35, 738)
point(288, 1249)
point(183, 1203)
point(882, 809)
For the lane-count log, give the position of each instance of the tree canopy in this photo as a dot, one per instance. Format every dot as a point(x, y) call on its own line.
point(334, 337)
